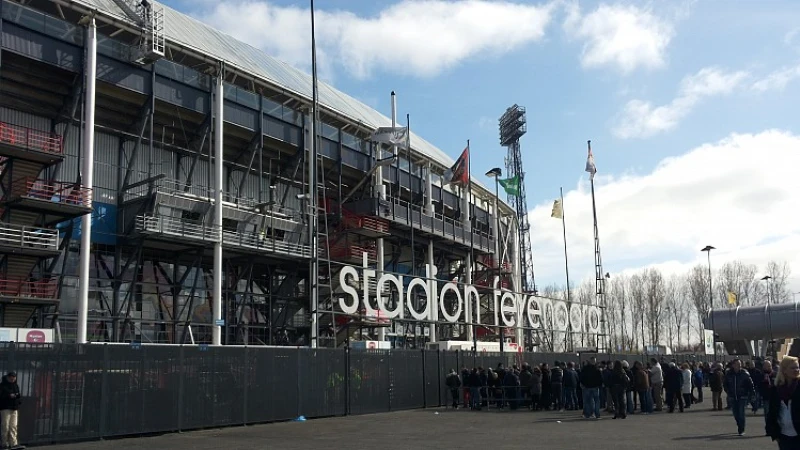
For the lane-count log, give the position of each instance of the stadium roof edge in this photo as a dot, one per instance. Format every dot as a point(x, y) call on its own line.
point(190, 33)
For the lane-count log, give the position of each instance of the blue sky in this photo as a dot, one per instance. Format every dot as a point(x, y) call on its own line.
point(689, 106)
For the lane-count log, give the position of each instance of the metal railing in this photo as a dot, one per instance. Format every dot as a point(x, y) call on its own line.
point(51, 191)
point(449, 227)
point(209, 233)
point(28, 237)
point(23, 288)
point(30, 139)
point(202, 193)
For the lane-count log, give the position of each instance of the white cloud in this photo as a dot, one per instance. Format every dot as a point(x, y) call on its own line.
point(417, 38)
point(622, 36)
point(640, 119)
point(777, 80)
point(739, 194)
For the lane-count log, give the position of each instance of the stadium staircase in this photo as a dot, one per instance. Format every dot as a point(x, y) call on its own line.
point(30, 207)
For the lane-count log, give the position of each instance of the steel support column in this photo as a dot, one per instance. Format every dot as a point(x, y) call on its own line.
point(216, 335)
point(88, 172)
point(434, 310)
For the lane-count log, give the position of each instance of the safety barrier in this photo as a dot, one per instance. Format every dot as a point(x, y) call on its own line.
point(30, 139)
point(80, 392)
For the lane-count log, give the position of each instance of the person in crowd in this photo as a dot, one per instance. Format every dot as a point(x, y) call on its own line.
point(475, 388)
point(673, 381)
point(453, 382)
point(570, 387)
point(716, 382)
point(608, 371)
point(657, 383)
point(536, 389)
point(591, 382)
point(629, 406)
point(686, 385)
point(754, 369)
point(642, 385)
point(557, 386)
point(783, 416)
point(739, 388)
point(525, 376)
point(10, 401)
point(765, 384)
point(547, 387)
point(465, 380)
point(699, 381)
point(619, 384)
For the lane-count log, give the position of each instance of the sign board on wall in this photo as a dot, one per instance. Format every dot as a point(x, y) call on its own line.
point(27, 335)
point(708, 336)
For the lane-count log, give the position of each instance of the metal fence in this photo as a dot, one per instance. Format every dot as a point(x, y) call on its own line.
point(81, 392)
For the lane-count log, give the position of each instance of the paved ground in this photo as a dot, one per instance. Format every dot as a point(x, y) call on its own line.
point(699, 427)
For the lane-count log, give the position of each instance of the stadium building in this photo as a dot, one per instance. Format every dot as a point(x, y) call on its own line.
point(208, 212)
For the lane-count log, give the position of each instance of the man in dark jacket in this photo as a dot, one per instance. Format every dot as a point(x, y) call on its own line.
point(557, 386)
point(673, 380)
point(591, 382)
point(739, 388)
point(453, 383)
point(9, 404)
point(715, 381)
point(570, 387)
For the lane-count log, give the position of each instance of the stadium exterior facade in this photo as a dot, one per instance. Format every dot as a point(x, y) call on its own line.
point(201, 168)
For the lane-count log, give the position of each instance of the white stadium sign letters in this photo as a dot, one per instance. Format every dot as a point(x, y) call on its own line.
point(513, 309)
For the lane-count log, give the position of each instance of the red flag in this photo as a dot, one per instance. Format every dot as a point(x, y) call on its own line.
point(459, 173)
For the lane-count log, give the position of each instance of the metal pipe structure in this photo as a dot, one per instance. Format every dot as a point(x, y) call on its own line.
point(216, 329)
point(779, 321)
point(313, 232)
point(87, 179)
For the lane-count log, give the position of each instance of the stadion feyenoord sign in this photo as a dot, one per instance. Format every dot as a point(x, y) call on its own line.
point(513, 309)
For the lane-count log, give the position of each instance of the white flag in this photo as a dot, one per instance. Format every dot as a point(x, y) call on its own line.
point(391, 136)
point(590, 167)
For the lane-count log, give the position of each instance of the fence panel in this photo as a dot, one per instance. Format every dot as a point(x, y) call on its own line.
point(273, 392)
point(433, 377)
point(322, 386)
point(406, 380)
point(369, 381)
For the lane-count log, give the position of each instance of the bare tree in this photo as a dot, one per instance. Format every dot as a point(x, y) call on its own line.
point(697, 289)
point(637, 294)
point(619, 286)
point(737, 278)
point(654, 301)
point(777, 289)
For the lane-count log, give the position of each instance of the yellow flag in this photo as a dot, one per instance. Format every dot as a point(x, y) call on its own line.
point(731, 298)
point(558, 210)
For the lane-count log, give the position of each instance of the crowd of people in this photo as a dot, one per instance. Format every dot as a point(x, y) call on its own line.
point(623, 389)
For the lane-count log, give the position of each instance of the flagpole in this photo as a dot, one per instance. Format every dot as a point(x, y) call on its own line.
point(413, 247)
point(566, 266)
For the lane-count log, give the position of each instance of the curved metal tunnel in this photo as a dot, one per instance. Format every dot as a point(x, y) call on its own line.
point(755, 322)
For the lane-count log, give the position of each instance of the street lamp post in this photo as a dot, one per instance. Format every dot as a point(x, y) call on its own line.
point(496, 173)
point(769, 288)
point(708, 249)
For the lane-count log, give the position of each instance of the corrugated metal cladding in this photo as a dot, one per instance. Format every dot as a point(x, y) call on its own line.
point(249, 189)
point(191, 33)
point(24, 119)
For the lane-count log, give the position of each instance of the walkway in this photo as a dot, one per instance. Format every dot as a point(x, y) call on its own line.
point(699, 427)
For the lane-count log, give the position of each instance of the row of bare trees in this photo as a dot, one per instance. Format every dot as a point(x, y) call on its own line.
point(648, 308)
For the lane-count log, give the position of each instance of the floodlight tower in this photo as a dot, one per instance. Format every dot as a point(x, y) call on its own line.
point(512, 127)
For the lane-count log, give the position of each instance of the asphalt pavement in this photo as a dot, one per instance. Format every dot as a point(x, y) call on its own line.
point(698, 427)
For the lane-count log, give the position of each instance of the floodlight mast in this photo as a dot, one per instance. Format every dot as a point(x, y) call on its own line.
point(513, 126)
